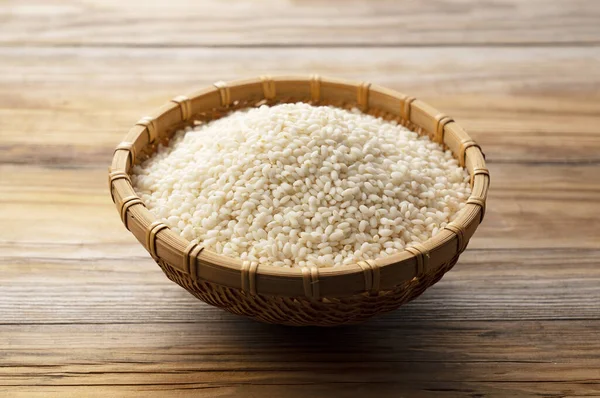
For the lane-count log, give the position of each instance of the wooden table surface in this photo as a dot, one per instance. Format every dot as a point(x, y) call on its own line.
point(84, 311)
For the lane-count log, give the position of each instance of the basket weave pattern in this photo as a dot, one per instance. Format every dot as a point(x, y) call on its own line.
point(300, 311)
point(291, 296)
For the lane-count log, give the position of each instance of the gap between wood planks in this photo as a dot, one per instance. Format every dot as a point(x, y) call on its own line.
point(274, 46)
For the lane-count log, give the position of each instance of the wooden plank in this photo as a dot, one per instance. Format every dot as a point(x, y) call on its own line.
point(86, 138)
point(114, 282)
point(71, 106)
point(276, 23)
point(528, 212)
point(515, 72)
point(341, 390)
point(510, 358)
point(486, 285)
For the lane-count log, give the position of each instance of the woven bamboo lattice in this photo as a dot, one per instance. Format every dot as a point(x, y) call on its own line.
point(294, 296)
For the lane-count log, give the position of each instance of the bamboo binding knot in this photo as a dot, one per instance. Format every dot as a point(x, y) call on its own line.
point(127, 146)
point(185, 106)
point(224, 92)
point(116, 175)
point(249, 269)
point(460, 235)
point(478, 201)
point(151, 232)
point(362, 95)
point(372, 275)
point(406, 107)
point(190, 254)
point(268, 85)
point(441, 122)
point(310, 278)
point(422, 256)
point(315, 88)
point(150, 124)
point(462, 152)
point(479, 171)
point(126, 204)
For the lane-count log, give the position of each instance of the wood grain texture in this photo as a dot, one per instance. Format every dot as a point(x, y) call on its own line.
point(85, 312)
point(125, 286)
point(521, 104)
point(305, 23)
point(35, 199)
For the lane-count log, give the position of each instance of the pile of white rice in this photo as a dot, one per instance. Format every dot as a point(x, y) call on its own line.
point(298, 185)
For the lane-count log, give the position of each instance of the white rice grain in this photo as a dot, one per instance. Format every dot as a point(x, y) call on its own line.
point(298, 185)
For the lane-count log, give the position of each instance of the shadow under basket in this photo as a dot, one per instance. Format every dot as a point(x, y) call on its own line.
point(298, 296)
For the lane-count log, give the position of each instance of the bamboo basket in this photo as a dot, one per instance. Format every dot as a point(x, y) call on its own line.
point(293, 296)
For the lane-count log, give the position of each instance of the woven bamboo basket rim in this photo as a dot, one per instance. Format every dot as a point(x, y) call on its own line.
point(373, 276)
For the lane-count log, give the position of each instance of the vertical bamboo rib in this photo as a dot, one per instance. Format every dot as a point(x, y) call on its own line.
point(224, 92)
point(422, 257)
point(406, 106)
point(149, 123)
point(362, 96)
point(269, 91)
point(442, 120)
point(185, 105)
point(130, 148)
point(372, 275)
point(315, 88)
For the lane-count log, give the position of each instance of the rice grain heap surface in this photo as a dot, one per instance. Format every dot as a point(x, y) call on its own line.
point(299, 185)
